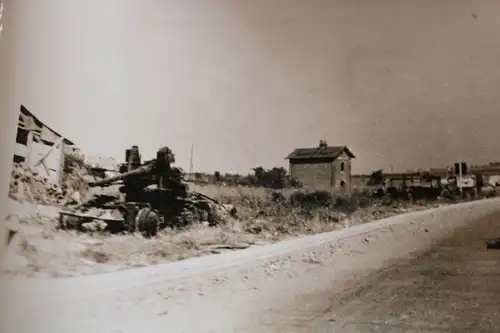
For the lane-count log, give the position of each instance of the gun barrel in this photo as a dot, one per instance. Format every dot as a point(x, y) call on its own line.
point(110, 180)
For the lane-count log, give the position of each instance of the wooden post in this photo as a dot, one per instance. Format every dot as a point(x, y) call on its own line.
point(476, 189)
point(29, 148)
point(60, 171)
point(54, 147)
point(191, 176)
point(460, 181)
point(46, 169)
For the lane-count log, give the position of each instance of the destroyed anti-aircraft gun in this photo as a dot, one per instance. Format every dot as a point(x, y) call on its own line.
point(154, 196)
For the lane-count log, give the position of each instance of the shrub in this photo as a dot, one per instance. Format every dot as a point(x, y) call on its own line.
point(311, 199)
point(346, 204)
point(363, 197)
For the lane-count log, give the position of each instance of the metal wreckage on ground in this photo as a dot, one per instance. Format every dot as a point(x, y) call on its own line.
point(153, 196)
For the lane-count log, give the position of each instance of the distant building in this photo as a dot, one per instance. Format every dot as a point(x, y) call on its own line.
point(323, 167)
point(441, 172)
point(490, 173)
point(40, 147)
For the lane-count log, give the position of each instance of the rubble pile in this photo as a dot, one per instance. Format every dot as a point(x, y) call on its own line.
point(27, 184)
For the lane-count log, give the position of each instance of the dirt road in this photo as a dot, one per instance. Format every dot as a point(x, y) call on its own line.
point(421, 272)
point(452, 287)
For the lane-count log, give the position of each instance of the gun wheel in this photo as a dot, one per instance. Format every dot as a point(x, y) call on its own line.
point(147, 222)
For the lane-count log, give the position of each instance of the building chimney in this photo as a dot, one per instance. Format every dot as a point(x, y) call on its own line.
point(322, 144)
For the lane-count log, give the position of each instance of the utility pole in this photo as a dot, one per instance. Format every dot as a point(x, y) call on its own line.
point(191, 163)
point(459, 181)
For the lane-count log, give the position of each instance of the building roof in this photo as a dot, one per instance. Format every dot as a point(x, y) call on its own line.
point(486, 170)
point(39, 127)
point(319, 152)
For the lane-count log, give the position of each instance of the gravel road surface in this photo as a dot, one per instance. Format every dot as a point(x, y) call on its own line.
point(420, 272)
point(451, 287)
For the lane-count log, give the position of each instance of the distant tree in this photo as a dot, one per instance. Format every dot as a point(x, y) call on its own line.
point(260, 174)
point(217, 176)
point(276, 178)
point(273, 178)
point(251, 180)
point(376, 178)
point(231, 178)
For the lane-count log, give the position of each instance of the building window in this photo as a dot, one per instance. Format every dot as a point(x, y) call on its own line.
point(22, 136)
point(19, 159)
point(342, 167)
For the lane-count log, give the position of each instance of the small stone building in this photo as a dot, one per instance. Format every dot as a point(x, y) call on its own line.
point(323, 167)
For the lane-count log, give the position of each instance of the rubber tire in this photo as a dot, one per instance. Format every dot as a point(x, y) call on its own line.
point(147, 222)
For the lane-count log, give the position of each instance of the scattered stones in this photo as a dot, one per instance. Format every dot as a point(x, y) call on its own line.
point(28, 184)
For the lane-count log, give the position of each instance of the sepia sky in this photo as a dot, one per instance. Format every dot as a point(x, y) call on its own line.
point(408, 83)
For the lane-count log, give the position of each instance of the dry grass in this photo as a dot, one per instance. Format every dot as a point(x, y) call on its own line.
point(230, 194)
point(40, 250)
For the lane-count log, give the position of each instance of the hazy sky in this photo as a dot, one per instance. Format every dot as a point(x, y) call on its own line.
point(407, 83)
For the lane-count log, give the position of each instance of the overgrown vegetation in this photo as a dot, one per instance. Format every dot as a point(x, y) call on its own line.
point(376, 178)
point(274, 178)
point(73, 161)
point(295, 211)
point(75, 172)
